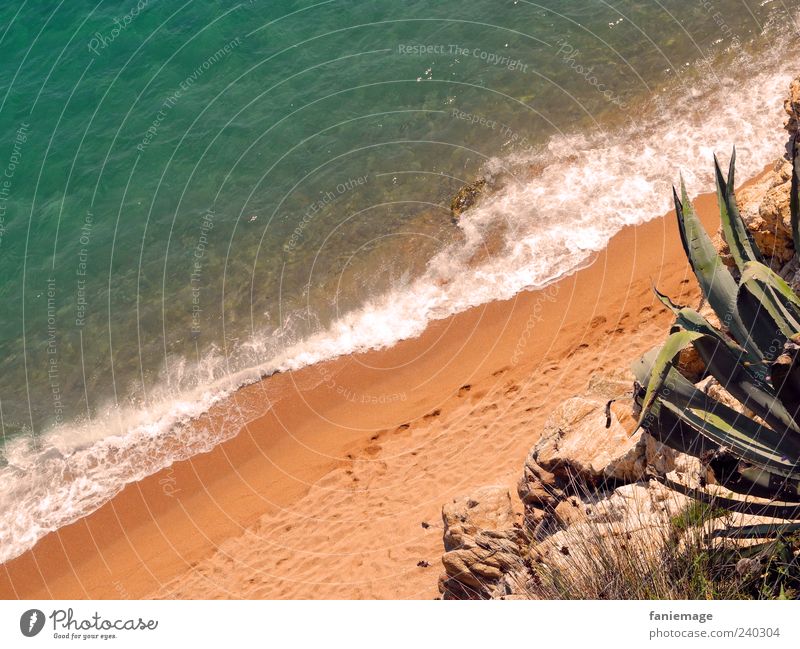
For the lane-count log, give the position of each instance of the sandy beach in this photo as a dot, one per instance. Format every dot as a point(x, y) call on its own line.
point(334, 487)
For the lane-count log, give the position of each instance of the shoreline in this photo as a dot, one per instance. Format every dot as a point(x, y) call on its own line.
point(324, 495)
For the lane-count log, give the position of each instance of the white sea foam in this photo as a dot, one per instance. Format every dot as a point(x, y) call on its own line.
point(591, 186)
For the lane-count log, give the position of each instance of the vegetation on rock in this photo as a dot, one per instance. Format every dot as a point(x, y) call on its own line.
point(752, 442)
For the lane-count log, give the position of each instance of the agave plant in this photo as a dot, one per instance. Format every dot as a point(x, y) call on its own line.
point(754, 355)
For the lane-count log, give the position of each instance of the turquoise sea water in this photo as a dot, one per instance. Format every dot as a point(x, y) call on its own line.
point(197, 193)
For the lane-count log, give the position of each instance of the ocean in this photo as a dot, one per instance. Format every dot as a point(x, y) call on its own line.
point(195, 195)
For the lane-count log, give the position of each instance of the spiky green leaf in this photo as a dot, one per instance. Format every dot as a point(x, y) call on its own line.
point(769, 306)
point(675, 308)
point(714, 278)
point(663, 363)
point(748, 505)
point(754, 271)
point(740, 242)
point(762, 531)
point(760, 446)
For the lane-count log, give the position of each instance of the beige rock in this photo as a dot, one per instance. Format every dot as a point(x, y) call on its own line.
point(713, 389)
point(641, 504)
point(570, 511)
point(577, 445)
point(577, 457)
point(537, 487)
point(577, 451)
point(765, 209)
point(613, 384)
point(534, 516)
point(482, 544)
point(631, 525)
point(722, 248)
point(487, 508)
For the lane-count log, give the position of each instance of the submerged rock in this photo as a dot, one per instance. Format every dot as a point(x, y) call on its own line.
point(466, 197)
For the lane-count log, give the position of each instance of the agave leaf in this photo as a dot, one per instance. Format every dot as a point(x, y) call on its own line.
point(677, 425)
point(672, 432)
point(662, 365)
point(768, 509)
point(774, 317)
point(745, 378)
point(765, 331)
point(758, 445)
point(754, 271)
point(725, 361)
point(794, 197)
point(729, 364)
point(660, 423)
point(675, 418)
point(675, 308)
point(642, 368)
point(726, 364)
point(740, 242)
point(763, 531)
point(714, 278)
point(722, 425)
point(691, 320)
point(681, 389)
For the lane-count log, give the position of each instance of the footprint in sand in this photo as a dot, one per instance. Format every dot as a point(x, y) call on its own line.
point(373, 449)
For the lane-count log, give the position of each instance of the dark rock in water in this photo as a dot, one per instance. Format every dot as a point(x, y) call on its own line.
point(467, 197)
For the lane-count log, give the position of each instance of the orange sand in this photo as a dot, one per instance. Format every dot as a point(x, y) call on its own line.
point(325, 494)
